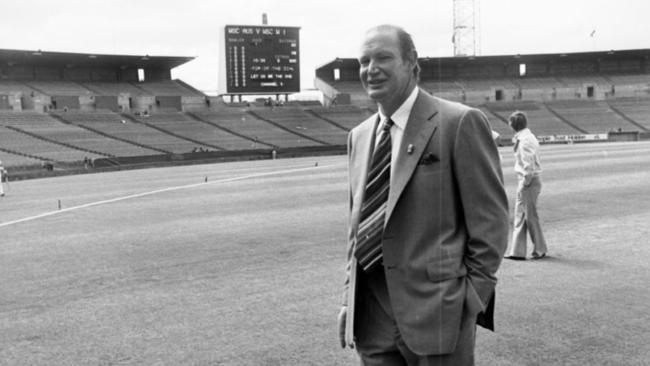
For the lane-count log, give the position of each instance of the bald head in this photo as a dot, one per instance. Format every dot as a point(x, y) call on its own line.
point(404, 40)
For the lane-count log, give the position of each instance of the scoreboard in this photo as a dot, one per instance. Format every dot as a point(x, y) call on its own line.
point(262, 59)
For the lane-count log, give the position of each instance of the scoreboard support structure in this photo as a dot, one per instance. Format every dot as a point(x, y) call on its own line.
point(239, 100)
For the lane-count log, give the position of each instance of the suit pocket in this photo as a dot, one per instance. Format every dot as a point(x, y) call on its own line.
point(428, 158)
point(446, 268)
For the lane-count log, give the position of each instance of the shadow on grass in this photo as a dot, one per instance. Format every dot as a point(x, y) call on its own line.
point(578, 263)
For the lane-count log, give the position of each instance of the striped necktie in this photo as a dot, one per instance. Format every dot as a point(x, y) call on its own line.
point(373, 210)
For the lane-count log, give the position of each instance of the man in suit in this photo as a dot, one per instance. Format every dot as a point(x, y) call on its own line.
point(421, 261)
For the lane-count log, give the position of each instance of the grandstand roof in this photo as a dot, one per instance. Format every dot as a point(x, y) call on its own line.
point(38, 57)
point(548, 57)
point(542, 58)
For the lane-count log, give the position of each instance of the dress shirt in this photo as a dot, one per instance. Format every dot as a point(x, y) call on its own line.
point(400, 117)
point(527, 163)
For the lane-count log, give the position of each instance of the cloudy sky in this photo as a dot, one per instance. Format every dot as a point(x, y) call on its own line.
point(329, 28)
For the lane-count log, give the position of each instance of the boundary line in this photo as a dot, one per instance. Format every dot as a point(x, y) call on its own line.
point(162, 190)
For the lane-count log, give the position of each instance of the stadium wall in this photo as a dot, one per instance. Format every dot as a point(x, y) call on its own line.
point(77, 74)
point(104, 75)
point(143, 103)
point(329, 93)
point(47, 73)
point(20, 73)
point(40, 103)
point(628, 136)
point(156, 74)
point(168, 102)
point(109, 102)
point(152, 161)
point(65, 102)
point(5, 102)
point(194, 103)
point(11, 101)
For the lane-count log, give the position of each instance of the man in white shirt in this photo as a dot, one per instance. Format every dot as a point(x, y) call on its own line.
point(3, 179)
point(528, 170)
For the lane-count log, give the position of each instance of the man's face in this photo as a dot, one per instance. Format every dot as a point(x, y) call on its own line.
point(384, 74)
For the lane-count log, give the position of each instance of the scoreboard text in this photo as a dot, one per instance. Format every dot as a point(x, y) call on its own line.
point(262, 59)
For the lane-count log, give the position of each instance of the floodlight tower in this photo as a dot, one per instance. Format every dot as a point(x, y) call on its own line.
point(465, 31)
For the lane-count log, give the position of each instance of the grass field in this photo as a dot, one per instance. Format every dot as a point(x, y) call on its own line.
point(160, 267)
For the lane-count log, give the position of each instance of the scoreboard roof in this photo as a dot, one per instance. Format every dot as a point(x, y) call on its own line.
point(38, 57)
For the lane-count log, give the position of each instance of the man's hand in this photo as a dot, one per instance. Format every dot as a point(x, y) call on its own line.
point(527, 180)
point(342, 318)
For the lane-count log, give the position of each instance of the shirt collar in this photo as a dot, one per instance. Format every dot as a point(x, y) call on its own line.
point(521, 133)
point(401, 115)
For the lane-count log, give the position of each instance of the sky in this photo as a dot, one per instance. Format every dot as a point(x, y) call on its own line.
point(328, 28)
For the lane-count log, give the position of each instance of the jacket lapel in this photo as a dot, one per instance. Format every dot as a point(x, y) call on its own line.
point(361, 154)
point(363, 148)
point(420, 128)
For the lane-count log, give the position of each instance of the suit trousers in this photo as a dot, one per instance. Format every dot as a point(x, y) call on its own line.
point(378, 340)
point(527, 221)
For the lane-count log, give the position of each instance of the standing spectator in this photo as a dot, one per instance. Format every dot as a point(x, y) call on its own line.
point(3, 178)
point(528, 170)
point(428, 217)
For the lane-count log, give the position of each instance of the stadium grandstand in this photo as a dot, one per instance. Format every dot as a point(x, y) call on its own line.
point(73, 112)
point(567, 95)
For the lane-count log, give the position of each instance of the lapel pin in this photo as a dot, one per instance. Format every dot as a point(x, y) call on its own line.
point(409, 149)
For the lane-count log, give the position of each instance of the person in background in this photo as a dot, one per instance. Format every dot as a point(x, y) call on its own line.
point(529, 186)
point(3, 179)
point(428, 217)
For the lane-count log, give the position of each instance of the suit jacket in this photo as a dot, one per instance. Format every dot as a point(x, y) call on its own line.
point(446, 223)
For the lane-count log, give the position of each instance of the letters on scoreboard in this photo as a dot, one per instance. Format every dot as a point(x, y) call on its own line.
point(262, 59)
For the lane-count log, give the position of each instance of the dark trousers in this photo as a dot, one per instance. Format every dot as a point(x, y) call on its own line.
point(378, 340)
